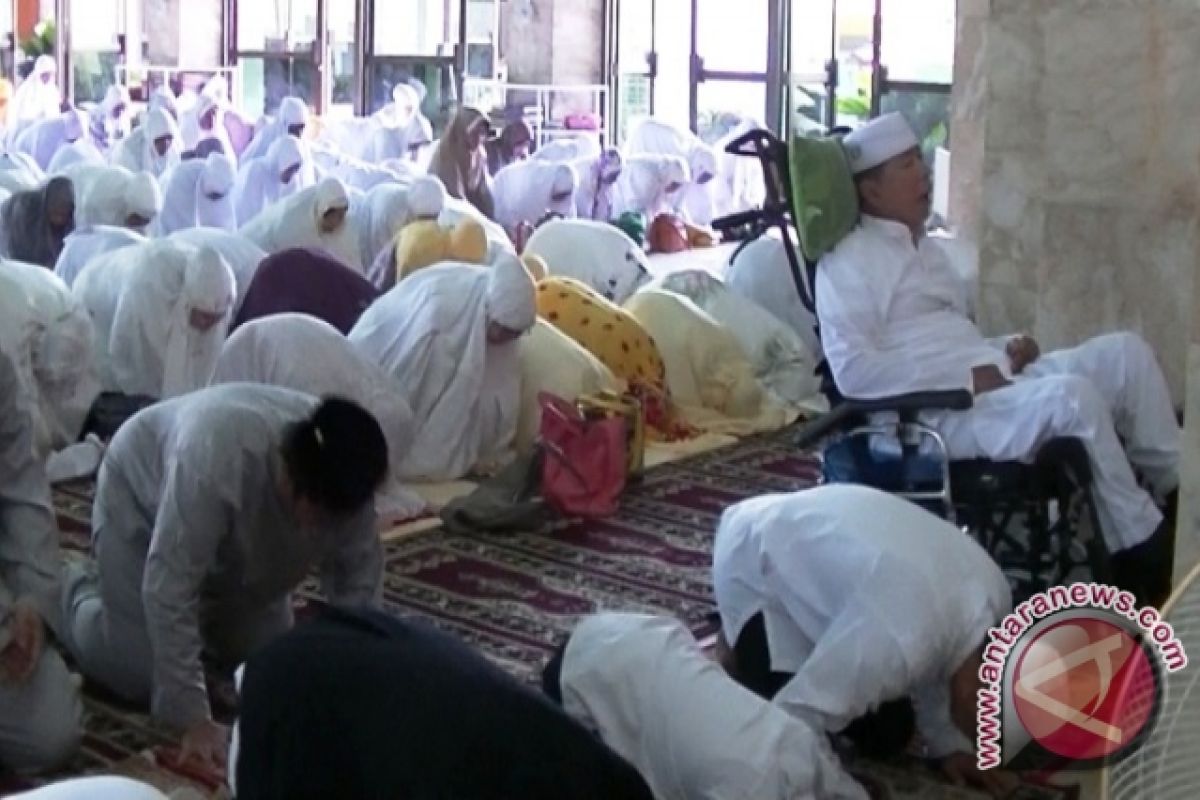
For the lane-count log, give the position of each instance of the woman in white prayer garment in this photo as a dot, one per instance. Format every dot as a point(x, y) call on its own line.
point(160, 312)
point(36, 99)
point(297, 351)
point(242, 255)
point(313, 217)
point(198, 193)
point(761, 273)
point(19, 172)
point(42, 139)
point(154, 147)
point(40, 713)
point(654, 137)
point(844, 603)
point(109, 195)
point(596, 253)
point(527, 191)
point(598, 178)
point(162, 97)
point(210, 511)
point(290, 120)
point(448, 334)
point(203, 121)
point(385, 212)
point(283, 171)
point(111, 118)
point(650, 185)
point(48, 334)
point(84, 245)
point(80, 151)
point(643, 684)
point(35, 223)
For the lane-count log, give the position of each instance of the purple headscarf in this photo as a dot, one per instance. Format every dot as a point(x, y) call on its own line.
point(305, 281)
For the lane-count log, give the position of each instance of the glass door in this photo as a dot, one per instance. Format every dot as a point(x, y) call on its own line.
point(277, 46)
point(730, 64)
point(340, 86)
point(812, 69)
point(917, 55)
point(636, 69)
point(419, 42)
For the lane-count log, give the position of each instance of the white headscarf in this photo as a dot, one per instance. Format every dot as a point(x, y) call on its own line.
point(761, 273)
point(19, 172)
point(164, 98)
point(108, 195)
point(596, 253)
point(111, 117)
point(525, 191)
point(698, 201)
point(301, 352)
point(644, 184)
point(566, 150)
point(48, 335)
point(141, 300)
point(387, 211)
point(198, 193)
point(143, 198)
point(81, 151)
point(430, 334)
point(598, 178)
point(259, 181)
point(242, 255)
point(294, 222)
point(511, 295)
point(193, 134)
point(138, 153)
point(292, 111)
point(41, 140)
point(84, 245)
point(35, 99)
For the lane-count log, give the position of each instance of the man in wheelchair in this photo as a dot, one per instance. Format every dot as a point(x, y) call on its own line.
point(893, 317)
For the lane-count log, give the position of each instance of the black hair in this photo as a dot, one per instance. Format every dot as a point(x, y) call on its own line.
point(337, 457)
point(885, 732)
point(552, 674)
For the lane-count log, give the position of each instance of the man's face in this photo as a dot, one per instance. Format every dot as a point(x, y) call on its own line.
point(162, 144)
point(289, 173)
point(332, 219)
point(900, 191)
point(296, 130)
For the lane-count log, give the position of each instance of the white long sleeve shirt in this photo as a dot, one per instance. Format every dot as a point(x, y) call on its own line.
point(894, 316)
point(866, 598)
point(645, 686)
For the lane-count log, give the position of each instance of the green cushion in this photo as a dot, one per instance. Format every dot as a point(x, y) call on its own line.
point(826, 202)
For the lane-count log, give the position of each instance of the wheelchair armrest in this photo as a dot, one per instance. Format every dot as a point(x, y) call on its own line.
point(953, 400)
point(849, 411)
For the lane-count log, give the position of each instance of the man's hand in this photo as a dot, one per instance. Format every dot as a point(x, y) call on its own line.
point(20, 657)
point(205, 745)
point(988, 378)
point(1022, 351)
point(962, 770)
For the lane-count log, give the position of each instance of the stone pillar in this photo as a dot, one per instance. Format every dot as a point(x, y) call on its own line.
point(1075, 170)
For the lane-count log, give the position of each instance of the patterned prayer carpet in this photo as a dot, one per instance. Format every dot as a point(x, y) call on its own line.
point(516, 597)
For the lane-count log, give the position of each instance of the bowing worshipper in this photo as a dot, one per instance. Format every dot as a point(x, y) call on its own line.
point(154, 147)
point(740, 182)
point(109, 195)
point(761, 273)
point(416, 713)
point(306, 281)
point(529, 191)
point(650, 185)
point(283, 171)
point(82, 246)
point(448, 334)
point(515, 143)
point(460, 161)
point(594, 253)
point(160, 312)
point(19, 172)
point(48, 334)
point(80, 151)
point(710, 378)
point(617, 340)
point(842, 601)
point(162, 97)
point(198, 193)
point(40, 712)
point(110, 118)
point(401, 145)
point(204, 123)
point(210, 510)
point(404, 108)
point(312, 217)
point(781, 360)
point(38, 221)
point(42, 139)
point(598, 178)
point(385, 211)
point(1109, 392)
point(242, 255)
point(37, 97)
point(655, 137)
point(301, 352)
point(643, 684)
point(290, 120)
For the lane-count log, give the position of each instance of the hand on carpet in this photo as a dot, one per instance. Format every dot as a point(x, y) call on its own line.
point(962, 770)
point(204, 745)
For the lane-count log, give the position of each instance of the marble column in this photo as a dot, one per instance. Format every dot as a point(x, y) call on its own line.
point(1076, 171)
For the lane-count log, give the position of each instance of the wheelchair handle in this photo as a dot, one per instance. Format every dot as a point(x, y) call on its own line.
point(739, 219)
point(751, 143)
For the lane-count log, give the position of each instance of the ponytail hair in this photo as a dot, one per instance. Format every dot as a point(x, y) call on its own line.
point(338, 457)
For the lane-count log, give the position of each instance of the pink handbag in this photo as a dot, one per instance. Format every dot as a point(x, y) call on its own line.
point(583, 460)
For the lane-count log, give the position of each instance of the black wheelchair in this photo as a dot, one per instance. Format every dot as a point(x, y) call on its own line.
point(1037, 520)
